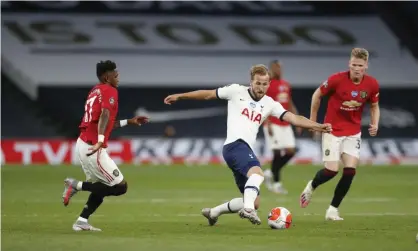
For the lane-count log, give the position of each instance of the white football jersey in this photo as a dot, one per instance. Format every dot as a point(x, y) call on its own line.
point(245, 115)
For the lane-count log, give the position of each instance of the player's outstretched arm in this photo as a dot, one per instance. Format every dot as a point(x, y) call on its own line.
point(303, 122)
point(196, 95)
point(137, 120)
point(315, 104)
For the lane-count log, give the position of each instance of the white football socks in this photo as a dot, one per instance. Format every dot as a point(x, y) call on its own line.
point(229, 207)
point(251, 190)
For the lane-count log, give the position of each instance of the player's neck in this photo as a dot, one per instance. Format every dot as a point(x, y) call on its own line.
point(356, 81)
point(250, 91)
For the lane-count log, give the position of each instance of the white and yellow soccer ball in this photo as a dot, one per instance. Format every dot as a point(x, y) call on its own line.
point(280, 218)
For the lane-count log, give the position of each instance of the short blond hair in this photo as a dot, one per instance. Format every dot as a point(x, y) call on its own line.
point(360, 53)
point(259, 69)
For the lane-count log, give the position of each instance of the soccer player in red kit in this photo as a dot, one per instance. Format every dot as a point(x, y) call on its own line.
point(103, 175)
point(348, 92)
point(279, 134)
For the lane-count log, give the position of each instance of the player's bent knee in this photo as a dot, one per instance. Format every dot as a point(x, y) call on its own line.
point(121, 188)
point(332, 165)
point(255, 170)
point(290, 151)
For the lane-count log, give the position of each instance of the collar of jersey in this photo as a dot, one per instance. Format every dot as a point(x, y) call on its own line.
point(253, 98)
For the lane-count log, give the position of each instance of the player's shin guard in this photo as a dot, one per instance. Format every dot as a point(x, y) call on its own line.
point(343, 186)
point(92, 204)
point(322, 176)
point(252, 189)
point(105, 190)
point(229, 207)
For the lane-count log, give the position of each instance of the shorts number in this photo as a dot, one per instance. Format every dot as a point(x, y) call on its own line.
point(88, 108)
point(358, 144)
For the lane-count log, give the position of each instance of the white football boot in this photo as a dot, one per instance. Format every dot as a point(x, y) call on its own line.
point(211, 220)
point(332, 214)
point(70, 190)
point(250, 214)
point(306, 195)
point(84, 226)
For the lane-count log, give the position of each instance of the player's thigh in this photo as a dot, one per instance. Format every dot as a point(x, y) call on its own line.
point(351, 146)
point(331, 147)
point(108, 168)
point(240, 158)
point(331, 151)
point(82, 149)
point(240, 181)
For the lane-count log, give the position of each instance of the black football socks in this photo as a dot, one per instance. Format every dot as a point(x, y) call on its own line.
point(343, 186)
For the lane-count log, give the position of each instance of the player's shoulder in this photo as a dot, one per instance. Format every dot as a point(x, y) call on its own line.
point(268, 100)
point(371, 80)
point(235, 86)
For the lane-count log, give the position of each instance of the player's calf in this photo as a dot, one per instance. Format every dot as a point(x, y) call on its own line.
point(103, 189)
point(343, 186)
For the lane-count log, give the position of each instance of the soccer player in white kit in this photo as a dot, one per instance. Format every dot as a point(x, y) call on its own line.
point(248, 107)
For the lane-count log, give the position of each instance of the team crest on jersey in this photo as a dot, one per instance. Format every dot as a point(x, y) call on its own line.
point(111, 100)
point(327, 152)
point(116, 173)
point(354, 94)
point(253, 105)
point(363, 94)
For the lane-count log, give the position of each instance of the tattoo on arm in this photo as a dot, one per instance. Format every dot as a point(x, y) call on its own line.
point(103, 121)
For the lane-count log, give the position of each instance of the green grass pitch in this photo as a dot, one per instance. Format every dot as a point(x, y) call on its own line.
point(161, 211)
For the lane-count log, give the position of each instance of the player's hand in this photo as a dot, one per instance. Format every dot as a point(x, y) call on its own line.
point(323, 128)
point(171, 99)
point(95, 148)
point(138, 120)
point(373, 130)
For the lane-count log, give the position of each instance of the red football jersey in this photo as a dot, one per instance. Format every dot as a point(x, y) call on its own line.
point(101, 96)
point(346, 101)
point(280, 91)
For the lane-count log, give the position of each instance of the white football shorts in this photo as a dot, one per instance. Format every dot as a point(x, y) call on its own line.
point(333, 146)
point(283, 137)
point(98, 167)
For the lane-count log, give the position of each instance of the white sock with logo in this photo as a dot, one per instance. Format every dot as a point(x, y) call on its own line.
point(251, 190)
point(229, 207)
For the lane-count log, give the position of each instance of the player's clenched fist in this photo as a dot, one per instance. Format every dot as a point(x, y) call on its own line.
point(373, 130)
point(325, 128)
point(138, 120)
point(171, 99)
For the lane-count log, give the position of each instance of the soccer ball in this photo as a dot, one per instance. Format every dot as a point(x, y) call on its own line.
point(280, 218)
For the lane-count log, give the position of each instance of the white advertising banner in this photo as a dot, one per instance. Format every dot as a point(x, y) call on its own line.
point(194, 151)
point(52, 49)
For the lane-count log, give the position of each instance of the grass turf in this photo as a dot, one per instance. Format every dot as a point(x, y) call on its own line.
point(161, 211)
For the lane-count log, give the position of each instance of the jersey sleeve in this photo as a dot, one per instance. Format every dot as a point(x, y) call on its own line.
point(108, 98)
point(227, 92)
point(329, 85)
point(278, 110)
point(374, 96)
